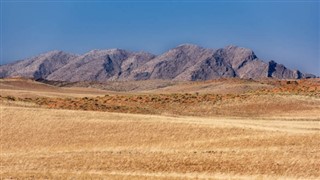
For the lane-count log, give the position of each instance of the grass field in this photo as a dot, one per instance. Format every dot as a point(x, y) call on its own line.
point(39, 141)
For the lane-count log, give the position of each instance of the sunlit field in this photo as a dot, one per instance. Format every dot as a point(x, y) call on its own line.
point(206, 135)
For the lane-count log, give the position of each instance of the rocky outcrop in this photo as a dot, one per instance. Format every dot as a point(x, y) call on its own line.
point(183, 63)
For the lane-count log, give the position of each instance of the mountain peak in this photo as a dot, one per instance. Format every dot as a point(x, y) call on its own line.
point(189, 47)
point(105, 52)
point(113, 50)
point(231, 47)
point(240, 52)
point(52, 53)
point(237, 48)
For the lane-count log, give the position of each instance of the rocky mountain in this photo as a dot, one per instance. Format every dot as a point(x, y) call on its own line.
point(37, 67)
point(183, 63)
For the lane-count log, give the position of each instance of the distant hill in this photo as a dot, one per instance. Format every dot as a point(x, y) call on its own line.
point(186, 62)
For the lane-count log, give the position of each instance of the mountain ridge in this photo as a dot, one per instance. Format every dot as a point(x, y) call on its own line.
point(186, 62)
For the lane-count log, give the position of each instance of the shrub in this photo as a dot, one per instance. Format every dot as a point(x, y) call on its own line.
point(11, 98)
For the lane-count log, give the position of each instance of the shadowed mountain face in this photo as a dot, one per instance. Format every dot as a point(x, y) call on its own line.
point(185, 62)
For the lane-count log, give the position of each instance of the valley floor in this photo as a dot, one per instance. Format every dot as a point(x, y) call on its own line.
point(43, 142)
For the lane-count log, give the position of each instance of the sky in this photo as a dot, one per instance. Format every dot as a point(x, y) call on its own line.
point(284, 31)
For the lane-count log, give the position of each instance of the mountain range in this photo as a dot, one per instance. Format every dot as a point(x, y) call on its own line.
point(186, 62)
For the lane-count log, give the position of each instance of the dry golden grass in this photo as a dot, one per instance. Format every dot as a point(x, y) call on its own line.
point(262, 130)
point(43, 143)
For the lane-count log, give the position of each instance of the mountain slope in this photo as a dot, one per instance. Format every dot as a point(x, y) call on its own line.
point(183, 63)
point(174, 64)
point(37, 67)
point(101, 65)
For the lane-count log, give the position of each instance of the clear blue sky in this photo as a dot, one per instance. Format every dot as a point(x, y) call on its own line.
point(284, 31)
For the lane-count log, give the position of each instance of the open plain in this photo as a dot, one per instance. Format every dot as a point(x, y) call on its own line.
point(219, 129)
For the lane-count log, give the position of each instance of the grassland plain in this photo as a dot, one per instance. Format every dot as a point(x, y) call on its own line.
point(45, 134)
